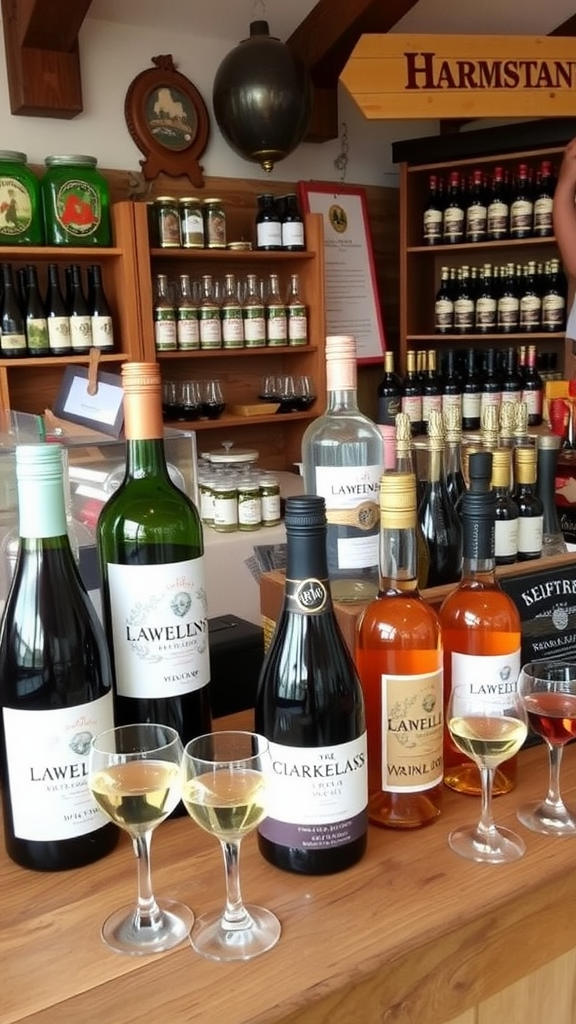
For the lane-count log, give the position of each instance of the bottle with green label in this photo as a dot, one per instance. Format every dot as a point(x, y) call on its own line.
point(21, 221)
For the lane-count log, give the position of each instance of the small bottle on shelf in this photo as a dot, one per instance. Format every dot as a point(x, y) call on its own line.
point(57, 315)
point(455, 484)
point(293, 239)
point(476, 211)
point(453, 213)
point(399, 659)
point(79, 313)
point(411, 400)
point(498, 211)
point(296, 314)
point(506, 511)
point(464, 311)
point(522, 205)
point(491, 387)
point(511, 379)
point(12, 323)
point(187, 321)
point(508, 318)
point(432, 216)
point(231, 315)
point(532, 388)
point(275, 313)
point(268, 225)
point(210, 323)
point(253, 314)
point(444, 305)
point(543, 201)
point(486, 305)
point(100, 313)
point(36, 322)
point(165, 334)
point(530, 300)
point(554, 298)
point(406, 463)
point(480, 625)
point(529, 505)
point(451, 384)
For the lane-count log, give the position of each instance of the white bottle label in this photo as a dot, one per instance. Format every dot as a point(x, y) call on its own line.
point(352, 504)
point(530, 533)
point(80, 331)
point(47, 756)
point(412, 726)
point(102, 332)
point(159, 628)
point(491, 675)
point(292, 233)
point(269, 232)
point(317, 796)
point(506, 538)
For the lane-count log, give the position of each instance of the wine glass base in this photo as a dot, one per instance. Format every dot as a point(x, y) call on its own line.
point(121, 933)
point(500, 847)
point(213, 939)
point(546, 819)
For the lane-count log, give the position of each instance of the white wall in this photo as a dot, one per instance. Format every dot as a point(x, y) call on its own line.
point(112, 55)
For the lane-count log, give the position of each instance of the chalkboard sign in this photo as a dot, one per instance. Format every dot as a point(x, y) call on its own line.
point(546, 600)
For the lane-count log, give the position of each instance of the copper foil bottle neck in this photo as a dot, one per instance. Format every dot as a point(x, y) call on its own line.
point(142, 384)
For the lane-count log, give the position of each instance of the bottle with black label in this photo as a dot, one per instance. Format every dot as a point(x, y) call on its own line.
point(310, 707)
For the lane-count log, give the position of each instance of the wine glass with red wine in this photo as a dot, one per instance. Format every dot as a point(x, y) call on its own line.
point(548, 689)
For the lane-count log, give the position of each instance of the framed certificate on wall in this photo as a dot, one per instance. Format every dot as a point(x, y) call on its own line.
point(352, 301)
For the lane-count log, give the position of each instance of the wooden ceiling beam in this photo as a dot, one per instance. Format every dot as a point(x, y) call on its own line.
point(42, 56)
point(324, 41)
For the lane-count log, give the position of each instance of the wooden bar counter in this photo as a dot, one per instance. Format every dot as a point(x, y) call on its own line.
point(412, 934)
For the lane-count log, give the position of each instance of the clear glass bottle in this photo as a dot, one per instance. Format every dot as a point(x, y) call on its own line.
point(165, 332)
point(275, 313)
point(455, 484)
point(210, 323)
point(151, 554)
point(310, 707)
point(187, 317)
point(296, 314)
point(55, 683)
point(481, 629)
point(343, 458)
point(399, 660)
point(253, 314)
point(231, 314)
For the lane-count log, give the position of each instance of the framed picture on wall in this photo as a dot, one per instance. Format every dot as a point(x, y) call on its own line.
point(352, 301)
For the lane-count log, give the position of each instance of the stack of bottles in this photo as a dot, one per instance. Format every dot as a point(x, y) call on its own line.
point(37, 319)
point(234, 313)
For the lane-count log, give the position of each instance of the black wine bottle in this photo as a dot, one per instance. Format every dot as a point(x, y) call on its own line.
point(437, 515)
point(57, 315)
point(151, 553)
point(100, 312)
point(12, 326)
point(80, 319)
point(309, 705)
point(36, 324)
point(55, 684)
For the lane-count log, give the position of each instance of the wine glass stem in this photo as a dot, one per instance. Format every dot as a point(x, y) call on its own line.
point(235, 914)
point(148, 913)
point(554, 783)
point(486, 824)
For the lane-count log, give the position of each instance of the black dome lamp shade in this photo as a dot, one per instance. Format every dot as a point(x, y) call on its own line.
point(262, 98)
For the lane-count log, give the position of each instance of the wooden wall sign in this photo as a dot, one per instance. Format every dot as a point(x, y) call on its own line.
point(442, 76)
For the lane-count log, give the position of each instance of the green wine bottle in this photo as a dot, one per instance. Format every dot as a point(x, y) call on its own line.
point(151, 554)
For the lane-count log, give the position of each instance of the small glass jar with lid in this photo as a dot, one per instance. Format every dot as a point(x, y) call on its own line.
point(21, 220)
point(167, 222)
point(192, 222)
point(76, 202)
point(214, 224)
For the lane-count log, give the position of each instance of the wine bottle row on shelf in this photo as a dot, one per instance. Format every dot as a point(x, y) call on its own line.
point(501, 299)
point(484, 206)
point(53, 324)
point(234, 313)
point(193, 223)
point(468, 379)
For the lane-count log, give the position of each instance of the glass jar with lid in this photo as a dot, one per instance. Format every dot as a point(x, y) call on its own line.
point(76, 202)
point(192, 222)
point(214, 224)
point(21, 221)
point(167, 222)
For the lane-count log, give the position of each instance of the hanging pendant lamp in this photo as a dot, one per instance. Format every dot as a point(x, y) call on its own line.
point(262, 98)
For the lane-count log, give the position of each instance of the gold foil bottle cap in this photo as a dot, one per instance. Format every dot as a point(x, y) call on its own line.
point(141, 376)
point(501, 467)
point(490, 428)
point(142, 384)
point(436, 432)
point(398, 500)
point(403, 433)
point(507, 419)
point(453, 424)
point(525, 464)
point(521, 425)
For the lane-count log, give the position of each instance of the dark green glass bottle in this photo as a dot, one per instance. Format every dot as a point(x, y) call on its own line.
point(151, 553)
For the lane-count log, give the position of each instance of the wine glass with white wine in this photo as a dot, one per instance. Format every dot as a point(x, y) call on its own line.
point(225, 793)
point(135, 776)
point(489, 729)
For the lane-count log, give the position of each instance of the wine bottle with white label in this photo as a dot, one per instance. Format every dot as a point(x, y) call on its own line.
point(310, 707)
point(343, 460)
point(55, 684)
point(151, 554)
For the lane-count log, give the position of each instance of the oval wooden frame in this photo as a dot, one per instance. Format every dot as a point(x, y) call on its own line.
point(159, 157)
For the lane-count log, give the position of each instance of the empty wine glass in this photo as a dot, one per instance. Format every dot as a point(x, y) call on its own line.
point(135, 776)
point(489, 730)
point(225, 793)
point(548, 689)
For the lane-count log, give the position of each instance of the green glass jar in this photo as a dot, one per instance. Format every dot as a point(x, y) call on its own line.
point(76, 202)
point(21, 221)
